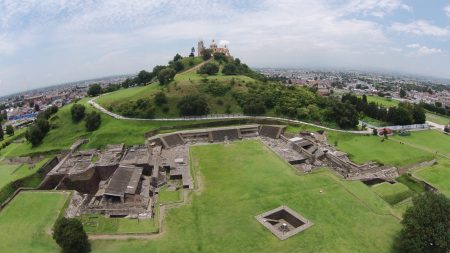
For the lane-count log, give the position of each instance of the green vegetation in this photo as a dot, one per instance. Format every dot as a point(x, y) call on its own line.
point(426, 226)
point(442, 120)
point(386, 102)
point(70, 236)
point(393, 193)
point(431, 141)
point(437, 175)
point(373, 148)
point(64, 133)
point(412, 183)
point(254, 181)
point(25, 222)
point(99, 224)
point(402, 114)
point(166, 196)
point(12, 172)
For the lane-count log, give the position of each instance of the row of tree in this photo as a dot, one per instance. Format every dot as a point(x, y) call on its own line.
point(438, 108)
point(403, 114)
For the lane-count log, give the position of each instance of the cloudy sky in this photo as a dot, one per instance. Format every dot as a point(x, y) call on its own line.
point(46, 42)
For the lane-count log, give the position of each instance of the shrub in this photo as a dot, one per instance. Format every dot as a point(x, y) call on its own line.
point(93, 121)
point(160, 98)
point(69, 234)
point(209, 69)
point(193, 105)
point(78, 112)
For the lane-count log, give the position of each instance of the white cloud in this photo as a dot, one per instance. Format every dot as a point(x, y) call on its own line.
point(447, 10)
point(377, 8)
point(421, 28)
point(420, 50)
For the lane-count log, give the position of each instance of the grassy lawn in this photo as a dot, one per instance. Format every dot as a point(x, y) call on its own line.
point(393, 193)
point(9, 173)
point(386, 102)
point(437, 175)
point(431, 141)
point(111, 131)
point(26, 221)
point(347, 216)
point(166, 196)
point(437, 119)
point(371, 148)
point(99, 224)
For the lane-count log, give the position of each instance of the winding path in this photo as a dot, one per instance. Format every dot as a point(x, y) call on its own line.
point(220, 116)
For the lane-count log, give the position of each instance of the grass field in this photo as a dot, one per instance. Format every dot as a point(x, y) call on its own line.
point(111, 131)
point(166, 196)
point(437, 119)
point(393, 193)
point(371, 148)
point(386, 102)
point(185, 83)
point(9, 173)
point(26, 221)
point(99, 224)
point(347, 216)
point(437, 175)
point(431, 141)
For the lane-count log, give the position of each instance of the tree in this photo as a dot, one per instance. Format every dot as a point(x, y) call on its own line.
point(402, 93)
point(254, 105)
point(166, 75)
point(160, 98)
point(34, 135)
point(69, 234)
point(193, 105)
point(78, 112)
point(93, 121)
point(418, 114)
point(143, 77)
point(9, 130)
point(177, 57)
point(207, 54)
point(36, 108)
point(192, 54)
point(426, 226)
point(220, 57)
point(230, 69)
point(43, 125)
point(209, 69)
point(1, 132)
point(345, 115)
point(94, 90)
point(177, 65)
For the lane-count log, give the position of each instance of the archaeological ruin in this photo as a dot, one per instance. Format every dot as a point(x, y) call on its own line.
point(125, 181)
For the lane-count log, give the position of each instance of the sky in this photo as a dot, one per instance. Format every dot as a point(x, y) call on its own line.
point(47, 42)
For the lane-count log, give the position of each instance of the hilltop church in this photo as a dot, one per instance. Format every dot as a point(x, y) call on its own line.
point(213, 47)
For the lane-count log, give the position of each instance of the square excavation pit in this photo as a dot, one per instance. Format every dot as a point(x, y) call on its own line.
point(283, 222)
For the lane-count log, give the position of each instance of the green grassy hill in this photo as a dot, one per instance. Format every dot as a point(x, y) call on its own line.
point(187, 82)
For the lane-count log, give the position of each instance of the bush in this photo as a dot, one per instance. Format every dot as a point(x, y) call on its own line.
point(9, 130)
point(209, 69)
point(78, 112)
point(193, 105)
point(69, 234)
point(160, 98)
point(216, 89)
point(230, 69)
point(93, 121)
